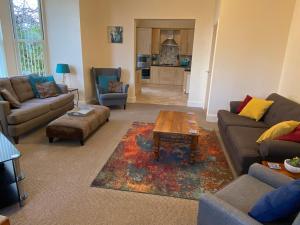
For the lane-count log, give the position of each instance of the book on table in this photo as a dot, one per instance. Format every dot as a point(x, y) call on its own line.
point(81, 112)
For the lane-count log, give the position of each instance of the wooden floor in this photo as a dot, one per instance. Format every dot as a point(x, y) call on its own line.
point(162, 94)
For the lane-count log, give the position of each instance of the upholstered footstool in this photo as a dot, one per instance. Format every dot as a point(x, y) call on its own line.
point(77, 128)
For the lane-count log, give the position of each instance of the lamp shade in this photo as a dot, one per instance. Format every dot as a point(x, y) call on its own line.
point(62, 68)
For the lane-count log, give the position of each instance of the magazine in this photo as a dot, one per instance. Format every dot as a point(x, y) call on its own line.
point(81, 112)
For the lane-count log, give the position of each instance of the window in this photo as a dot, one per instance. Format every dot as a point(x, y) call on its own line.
point(29, 36)
point(3, 72)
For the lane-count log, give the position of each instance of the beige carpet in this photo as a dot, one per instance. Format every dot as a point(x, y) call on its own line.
point(58, 178)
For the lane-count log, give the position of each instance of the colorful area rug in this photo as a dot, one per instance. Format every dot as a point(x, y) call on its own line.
point(132, 166)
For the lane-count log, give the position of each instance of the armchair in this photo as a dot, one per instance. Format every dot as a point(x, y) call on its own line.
point(230, 206)
point(109, 99)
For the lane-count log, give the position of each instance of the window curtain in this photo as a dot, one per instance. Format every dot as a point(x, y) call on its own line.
point(3, 70)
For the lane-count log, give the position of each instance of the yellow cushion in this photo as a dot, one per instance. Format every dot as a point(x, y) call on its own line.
point(278, 130)
point(256, 108)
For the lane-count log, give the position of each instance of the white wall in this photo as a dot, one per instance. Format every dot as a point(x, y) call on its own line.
point(250, 49)
point(96, 15)
point(62, 19)
point(290, 80)
point(7, 30)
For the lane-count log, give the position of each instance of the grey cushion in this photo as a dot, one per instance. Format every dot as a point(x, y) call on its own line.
point(282, 109)
point(112, 96)
point(6, 84)
point(26, 113)
point(22, 87)
point(53, 102)
point(244, 192)
point(230, 119)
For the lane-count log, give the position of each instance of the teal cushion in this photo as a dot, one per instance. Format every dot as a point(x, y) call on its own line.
point(104, 80)
point(37, 79)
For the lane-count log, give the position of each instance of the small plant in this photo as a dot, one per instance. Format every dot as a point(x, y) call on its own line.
point(295, 162)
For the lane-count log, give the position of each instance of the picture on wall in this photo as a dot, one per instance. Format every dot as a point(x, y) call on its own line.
point(115, 34)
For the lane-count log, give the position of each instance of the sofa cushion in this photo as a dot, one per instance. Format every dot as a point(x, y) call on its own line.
point(13, 101)
point(47, 89)
point(282, 109)
point(22, 87)
point(6, 84)
point(230, 119)
point(26, 113)
point(53, 102)
point(248, 189)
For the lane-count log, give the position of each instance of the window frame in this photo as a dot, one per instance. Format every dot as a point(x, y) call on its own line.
point(43, 41)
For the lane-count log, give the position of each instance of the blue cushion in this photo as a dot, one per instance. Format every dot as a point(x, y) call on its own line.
point(34, 79)
point(104, 80)
point(280, 203)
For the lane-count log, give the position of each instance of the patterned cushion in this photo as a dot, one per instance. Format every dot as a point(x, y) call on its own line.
point(115, 87)
point(36, 79)
point(104, 80)
point(22, 87)
point(47, 89)
point(14, 102)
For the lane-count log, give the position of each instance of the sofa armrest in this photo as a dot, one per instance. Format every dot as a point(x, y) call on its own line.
point(4, 112)
point(4, 220)
point(278, 151)
point(125, 88)
point(268, 176)
point(63, 88)
point(213, 210)
point(234, 105)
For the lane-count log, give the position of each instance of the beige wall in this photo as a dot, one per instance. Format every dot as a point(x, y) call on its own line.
point(290, 80)
point(62, 21)
point(250, 49)
point(96, 15)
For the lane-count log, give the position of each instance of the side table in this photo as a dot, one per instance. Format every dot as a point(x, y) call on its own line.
point(282, 170)
point(70, 90)
point(11, 177)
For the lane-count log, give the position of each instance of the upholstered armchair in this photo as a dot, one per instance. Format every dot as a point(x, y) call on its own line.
point(230, 206)
point(109, 99)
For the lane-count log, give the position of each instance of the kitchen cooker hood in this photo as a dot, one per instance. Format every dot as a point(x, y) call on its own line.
point(170, 41)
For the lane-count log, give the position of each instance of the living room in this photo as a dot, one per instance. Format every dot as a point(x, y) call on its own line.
point(149, 163)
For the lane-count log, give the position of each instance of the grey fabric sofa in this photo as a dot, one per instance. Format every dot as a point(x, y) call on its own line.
point(109, 99)
point(230, 206)
point(33, 112)
point(239, 134)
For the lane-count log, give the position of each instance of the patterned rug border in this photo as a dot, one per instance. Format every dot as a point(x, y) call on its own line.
point(149, 193)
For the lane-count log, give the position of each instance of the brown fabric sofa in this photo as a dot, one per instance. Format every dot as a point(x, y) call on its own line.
point(239, 134)
point(33, 111)
point(4, 220)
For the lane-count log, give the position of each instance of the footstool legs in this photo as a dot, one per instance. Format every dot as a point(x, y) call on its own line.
point(82, 142)
point(51, 139)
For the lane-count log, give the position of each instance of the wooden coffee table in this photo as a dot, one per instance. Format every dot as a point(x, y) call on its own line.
point(283, 170)
point(181, 124)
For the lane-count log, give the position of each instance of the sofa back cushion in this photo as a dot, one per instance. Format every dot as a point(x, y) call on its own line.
point(5, 84)
point(22, 87)
point(282, 109)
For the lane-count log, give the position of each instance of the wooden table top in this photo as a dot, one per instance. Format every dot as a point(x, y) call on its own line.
point(283, 170)
point(172, 122)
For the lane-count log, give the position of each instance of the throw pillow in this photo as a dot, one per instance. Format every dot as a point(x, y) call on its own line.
point(36, 79)
point(104, 80)
point(47, 89)
point(278, 204)
point(244, 103)
point(14, 103)
point(278, 130)
point(293, 136)
point(115, 87)
point(256, 108)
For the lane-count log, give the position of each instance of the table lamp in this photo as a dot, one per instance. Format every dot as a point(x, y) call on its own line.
point(62, 69)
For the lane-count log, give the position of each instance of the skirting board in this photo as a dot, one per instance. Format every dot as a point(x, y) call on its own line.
point(212, 118)
point(195, 104)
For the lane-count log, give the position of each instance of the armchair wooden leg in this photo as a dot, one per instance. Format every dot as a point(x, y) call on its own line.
point(124, 106)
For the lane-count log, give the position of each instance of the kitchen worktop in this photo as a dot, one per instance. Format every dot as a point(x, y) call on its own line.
point(187, 68)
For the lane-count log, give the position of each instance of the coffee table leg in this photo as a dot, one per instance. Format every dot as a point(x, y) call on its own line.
point(156, 145)
point(194, 145)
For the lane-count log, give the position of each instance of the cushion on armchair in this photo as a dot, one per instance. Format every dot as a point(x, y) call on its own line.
point(104, 80)
point(277, 204)
point(115, 87)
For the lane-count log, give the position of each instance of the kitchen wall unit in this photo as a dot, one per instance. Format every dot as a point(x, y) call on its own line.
point(144, 41)
point(155, 40)
point(186, 41)
point(166, 75)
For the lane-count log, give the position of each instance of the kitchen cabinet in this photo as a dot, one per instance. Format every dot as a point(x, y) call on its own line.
point(166, 75)
point(144, 41)
point(155, 41)
point(179, 73)
point(186, 41)
point(154, 75)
